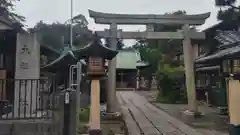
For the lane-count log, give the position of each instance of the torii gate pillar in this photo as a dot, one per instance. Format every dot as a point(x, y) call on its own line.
point(111, 83)
point(189, 71)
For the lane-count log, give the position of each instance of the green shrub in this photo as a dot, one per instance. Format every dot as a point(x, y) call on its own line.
point(171, 80)
point(84, 114)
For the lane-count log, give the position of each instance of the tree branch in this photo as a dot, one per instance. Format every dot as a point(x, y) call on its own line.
point(234, 7)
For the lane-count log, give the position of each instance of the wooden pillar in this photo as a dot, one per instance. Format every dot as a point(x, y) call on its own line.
point(189, 70)
point(111, 89)
point(121, 74)
point(95, 128)
point(234, 107)
point(3, 77)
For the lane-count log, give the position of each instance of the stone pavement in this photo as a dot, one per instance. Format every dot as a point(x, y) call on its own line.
point(142, 118)
point(212, 123)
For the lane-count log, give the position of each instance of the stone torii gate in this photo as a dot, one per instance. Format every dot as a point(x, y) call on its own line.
point(186, 35)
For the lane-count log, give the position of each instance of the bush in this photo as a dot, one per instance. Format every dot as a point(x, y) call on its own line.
point(84, 114)
point(171, 80)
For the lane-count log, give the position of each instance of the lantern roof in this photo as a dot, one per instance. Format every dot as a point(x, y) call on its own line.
point(96, 49)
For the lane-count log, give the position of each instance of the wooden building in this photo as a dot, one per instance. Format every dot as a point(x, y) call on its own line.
point(13, 66)
point(218, 56)
point(128, 63)
point(8, 42)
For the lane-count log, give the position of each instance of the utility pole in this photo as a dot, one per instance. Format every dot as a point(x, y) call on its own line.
point(71, 27)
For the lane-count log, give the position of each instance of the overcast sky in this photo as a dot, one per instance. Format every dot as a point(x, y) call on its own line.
point(59, 10)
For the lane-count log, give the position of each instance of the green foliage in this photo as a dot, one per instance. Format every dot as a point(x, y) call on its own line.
point(231, 11)
point(84, 114)
point(161, 53)
point(171, 72)
point(58, 34)
point(171, 80)
point(7, 10)
point(224, 2)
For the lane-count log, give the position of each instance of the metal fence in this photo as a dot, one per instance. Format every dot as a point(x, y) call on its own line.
point(27, 98)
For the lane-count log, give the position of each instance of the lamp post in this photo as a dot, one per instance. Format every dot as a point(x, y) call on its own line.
point(95, 53)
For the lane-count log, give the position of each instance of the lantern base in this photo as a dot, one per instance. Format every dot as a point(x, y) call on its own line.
point(95, 132)
point(234, 130)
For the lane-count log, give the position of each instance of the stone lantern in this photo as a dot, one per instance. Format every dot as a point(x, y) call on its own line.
point(233, 103)
point(95, 53)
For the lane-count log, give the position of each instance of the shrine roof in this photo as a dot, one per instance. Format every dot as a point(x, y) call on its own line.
point(209, 68)
point(229, 41)
point(129, 59)
point(221, 54)
point(227, 38)
point(67, 57)
point(50, 48)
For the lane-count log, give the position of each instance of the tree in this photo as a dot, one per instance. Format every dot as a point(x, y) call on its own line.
point(160, 54)
point(231, 12)
point(7, 10)
point(58, 34)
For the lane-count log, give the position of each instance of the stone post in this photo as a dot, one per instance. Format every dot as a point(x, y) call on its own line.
point(137, 79)
point(111, 89)
point(189, 71)
point(26, 93)
point(233, 106)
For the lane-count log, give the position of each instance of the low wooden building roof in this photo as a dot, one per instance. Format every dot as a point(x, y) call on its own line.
point(227, 38)
point(209, 68)
point(229, 46)
point(220, 54)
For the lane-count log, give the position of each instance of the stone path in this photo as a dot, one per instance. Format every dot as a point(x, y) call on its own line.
point(142, 118)
point(210, 124)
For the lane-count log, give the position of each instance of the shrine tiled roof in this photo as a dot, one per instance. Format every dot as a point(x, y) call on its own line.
point(209, 68)
point(229, 45)
point(227, 37)
point(66, 57)
point(220, 54)
point(50, 48)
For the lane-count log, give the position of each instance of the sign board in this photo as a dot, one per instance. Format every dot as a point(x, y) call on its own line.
point(67, 97)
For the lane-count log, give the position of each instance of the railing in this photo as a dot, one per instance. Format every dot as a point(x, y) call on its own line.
point(27, 98)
